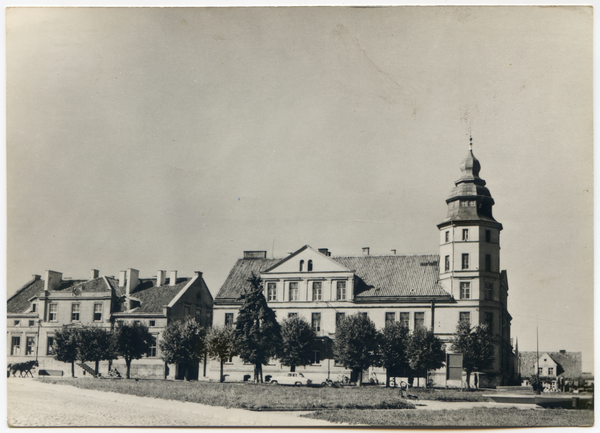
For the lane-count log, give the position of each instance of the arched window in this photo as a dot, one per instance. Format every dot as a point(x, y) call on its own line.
point(301, 265)
point(309, 265)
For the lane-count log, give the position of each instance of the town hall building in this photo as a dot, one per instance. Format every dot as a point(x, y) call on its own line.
point(463, 282)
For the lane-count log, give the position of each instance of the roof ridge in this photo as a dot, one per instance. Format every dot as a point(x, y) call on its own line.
point(26, 285)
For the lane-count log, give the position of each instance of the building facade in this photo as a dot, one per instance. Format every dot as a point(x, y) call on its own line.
point(551, 366)
point(463, 282)
point(43, 306)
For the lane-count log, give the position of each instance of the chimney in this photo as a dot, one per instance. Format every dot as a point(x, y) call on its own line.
point(563, 352)
point(132, 280)
point(122, 278)
point(36, 277)
point(366, 251)
point(255, 254)
point(198, 274)
point(53, 280)
point(324, 251)
point(173, 278)
point(94, 275)
point(160, 278)
point(394, 252)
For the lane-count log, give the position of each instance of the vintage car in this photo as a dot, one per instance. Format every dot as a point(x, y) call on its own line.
point(290, 379)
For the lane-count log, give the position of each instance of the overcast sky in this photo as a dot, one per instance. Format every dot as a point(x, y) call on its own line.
point(178, 138)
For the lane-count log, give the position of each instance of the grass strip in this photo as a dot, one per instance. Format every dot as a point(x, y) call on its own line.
point(477, 417)
point(249, 395)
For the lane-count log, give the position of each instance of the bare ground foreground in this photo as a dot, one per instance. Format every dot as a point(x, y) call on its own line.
point(32, 403)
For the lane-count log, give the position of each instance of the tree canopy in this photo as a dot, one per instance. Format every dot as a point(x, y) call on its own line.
point(258, 335)
point(425, 351)
point(220, 345)
point(298, 342)
point(94, 345)
point(131, 341)
point(394, 342)
point(476, 345)
point(183, 343)
point(356, 344)
point(65, 346)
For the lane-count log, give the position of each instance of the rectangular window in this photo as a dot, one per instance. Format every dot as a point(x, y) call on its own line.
point(447, 263)
point(465, 261)
point(75, 312)
point(465, 316)
point(316, 358)
point(550, 371)
point(419, 320)
point(186, 311)
point(465, 290)
point(488, 291)
point(50, 343)
point(198, 314)
point(17, 322)
point(316, 321)
point(488, 236)
point(152, 350)
point(465, 234)
point(52, 314)
point(33, 308)
point(447, 237)
point(228, 320)
point(292, 315)
point(540, 370)
point(15, 346)
point(271, 291)
point(31, 323)
point(341, 290)
point(294, 291)
point(317, 290)
point(97, 312)
point(152, 322)
point(489, 319)
point(30, 347)
point(405, 319)
point(339, 317)
point(390, 318)
point(488, 263)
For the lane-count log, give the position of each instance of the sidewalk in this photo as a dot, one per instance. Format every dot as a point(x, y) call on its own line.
point(32, 403)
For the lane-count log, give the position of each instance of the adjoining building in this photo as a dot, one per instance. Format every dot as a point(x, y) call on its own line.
point(42, 306)
point(464, 282)
point(551, 367)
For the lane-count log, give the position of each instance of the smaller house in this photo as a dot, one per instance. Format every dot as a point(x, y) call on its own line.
point(551, 365)
point(43, 306)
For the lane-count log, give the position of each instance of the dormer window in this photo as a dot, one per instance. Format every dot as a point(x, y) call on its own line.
point(301, 265)
point(309, 265)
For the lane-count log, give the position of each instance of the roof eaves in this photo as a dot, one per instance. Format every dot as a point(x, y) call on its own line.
point(285, 259)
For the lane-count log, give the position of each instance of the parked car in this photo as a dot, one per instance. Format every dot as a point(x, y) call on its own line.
point(297, 379)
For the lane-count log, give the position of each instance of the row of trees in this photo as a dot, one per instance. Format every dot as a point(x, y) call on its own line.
point(94, 344)
point(257, 337)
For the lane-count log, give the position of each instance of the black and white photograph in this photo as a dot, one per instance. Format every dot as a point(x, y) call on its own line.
point(310, 216)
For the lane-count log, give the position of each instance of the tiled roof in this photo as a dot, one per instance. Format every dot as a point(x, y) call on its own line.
point(19, 302)
point(95, 285)
point(569, 363)
point(379, 276)
point(153, 298)
point(237, 279)
point(393, 276)
point(114, 284)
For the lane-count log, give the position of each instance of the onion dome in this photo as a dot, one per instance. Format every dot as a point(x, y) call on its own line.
point(469, 199)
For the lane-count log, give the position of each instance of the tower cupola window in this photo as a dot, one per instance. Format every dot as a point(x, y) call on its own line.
point(465, 236)
point(301, 265)
point(309, 267)
point(465, 261)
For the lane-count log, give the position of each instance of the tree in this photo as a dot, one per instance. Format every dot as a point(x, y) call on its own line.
point(183, 343)
point(476, 345)
point(220, 345)
point(131, 341)
point(394, 343)
point(65, 346)
point(356, 344)
point(298, 342)
point(94, 345)
point(258, 335)
point(425, 351)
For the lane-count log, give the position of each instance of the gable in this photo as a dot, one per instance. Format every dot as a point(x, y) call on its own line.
point(300, 260)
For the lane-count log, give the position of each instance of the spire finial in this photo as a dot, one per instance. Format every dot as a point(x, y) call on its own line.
point(470, 140)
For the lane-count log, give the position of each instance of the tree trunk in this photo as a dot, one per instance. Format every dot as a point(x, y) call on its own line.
point(468, 379)
point(96, 371)
point(292, 368)
point(72, 368)
point(166, 370)
point(128, 363)
point(256, 373)
point(360, 377)
point(387, 378)
point(185, 372)
point(261, 375)
point(222, 379)
point(204, 372)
